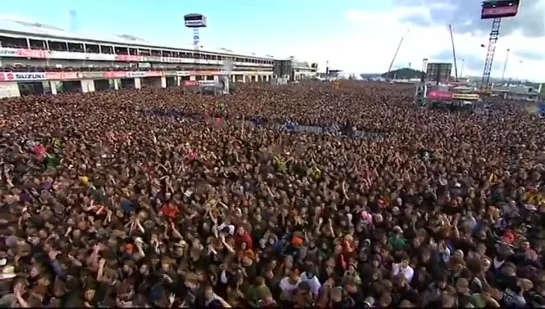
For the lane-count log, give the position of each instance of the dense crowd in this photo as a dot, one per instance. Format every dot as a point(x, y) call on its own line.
point(106, 204)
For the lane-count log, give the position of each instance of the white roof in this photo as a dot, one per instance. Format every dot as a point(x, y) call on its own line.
point(24, 26)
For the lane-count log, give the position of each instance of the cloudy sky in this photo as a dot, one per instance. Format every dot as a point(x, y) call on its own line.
point(353, 35)
point(372, 34)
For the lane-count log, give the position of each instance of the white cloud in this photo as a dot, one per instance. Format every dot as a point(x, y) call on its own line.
point(370, 43)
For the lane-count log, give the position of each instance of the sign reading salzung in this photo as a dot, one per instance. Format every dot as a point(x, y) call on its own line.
point(196, 23)
point(24, 76)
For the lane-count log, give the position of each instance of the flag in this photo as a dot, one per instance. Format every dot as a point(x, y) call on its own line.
point(52, 160)
point(53, 157)
point(40, 151)
point(493, 178)
point(315, 172)
point(57, 143)
point(280, 162)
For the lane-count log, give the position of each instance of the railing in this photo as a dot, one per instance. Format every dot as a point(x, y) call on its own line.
point(286, 126)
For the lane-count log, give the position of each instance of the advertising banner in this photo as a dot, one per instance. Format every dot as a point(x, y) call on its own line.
point(136, 74)
point(93, 75)
point(129, 58)
point(63, 75)
point(175, 60)
point(439, 95)
point(191, 83)
point(26, 53)
point(155, 74)
point(153, 59)
point(465, 96)
point(145, 74)
point(202, 73)
point(207, 83)
point(115, 74)
point(23, 76)
point(80, 56)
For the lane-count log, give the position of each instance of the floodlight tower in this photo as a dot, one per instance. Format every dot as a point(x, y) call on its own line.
point(505, 65)
point(495, 10)
point(195, 21)
point(73, 21)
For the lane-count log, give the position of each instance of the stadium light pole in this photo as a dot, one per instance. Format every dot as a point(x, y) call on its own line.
point(505, 65)
point(195, 21)
point(520, 72)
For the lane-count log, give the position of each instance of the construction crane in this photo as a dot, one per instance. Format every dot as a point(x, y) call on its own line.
point(395, 56)
point(453, 54)
point(495, 10)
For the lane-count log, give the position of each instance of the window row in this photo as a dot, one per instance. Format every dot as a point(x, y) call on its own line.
point(65, 46)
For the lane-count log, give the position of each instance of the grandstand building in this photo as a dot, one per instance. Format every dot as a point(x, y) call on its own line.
point(33, 52)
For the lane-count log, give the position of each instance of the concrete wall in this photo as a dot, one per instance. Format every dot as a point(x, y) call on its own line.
point(87, 85)
point(8, 90)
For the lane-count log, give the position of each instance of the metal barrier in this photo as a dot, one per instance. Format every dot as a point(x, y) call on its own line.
point(258, 122)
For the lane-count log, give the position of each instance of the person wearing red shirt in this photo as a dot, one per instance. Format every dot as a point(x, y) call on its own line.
point(243, 236)
point(170, 210)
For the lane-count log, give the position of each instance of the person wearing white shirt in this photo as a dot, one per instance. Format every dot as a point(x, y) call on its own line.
point(313, 281)
point(288, 285)
point(404, 269)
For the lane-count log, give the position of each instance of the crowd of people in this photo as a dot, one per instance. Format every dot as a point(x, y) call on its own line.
point(106, 204)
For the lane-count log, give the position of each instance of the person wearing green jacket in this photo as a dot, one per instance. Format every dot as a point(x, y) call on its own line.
point(396, 240)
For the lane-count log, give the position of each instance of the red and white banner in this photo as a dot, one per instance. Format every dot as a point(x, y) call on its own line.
point(23, 76)
point(68, 76)
point(121, 74)
point(39, 76)
point(440, 95)
point(129, 58)
point(27, 53)
point(64, 75)
point(202, 83)
point(145, 74)
point(115, 74)
point(191, 83)
point(136, 74)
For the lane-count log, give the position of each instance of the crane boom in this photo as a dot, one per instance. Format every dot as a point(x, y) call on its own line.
point(453, 54)
point(395, 56)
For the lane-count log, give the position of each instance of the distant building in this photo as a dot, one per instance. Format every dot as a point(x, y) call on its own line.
point(517, 92)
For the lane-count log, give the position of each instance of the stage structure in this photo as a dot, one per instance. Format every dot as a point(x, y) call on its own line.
point(206, 87)
point(495, 10)
point(438, 72)
point(226, 70)
point(195, 21)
